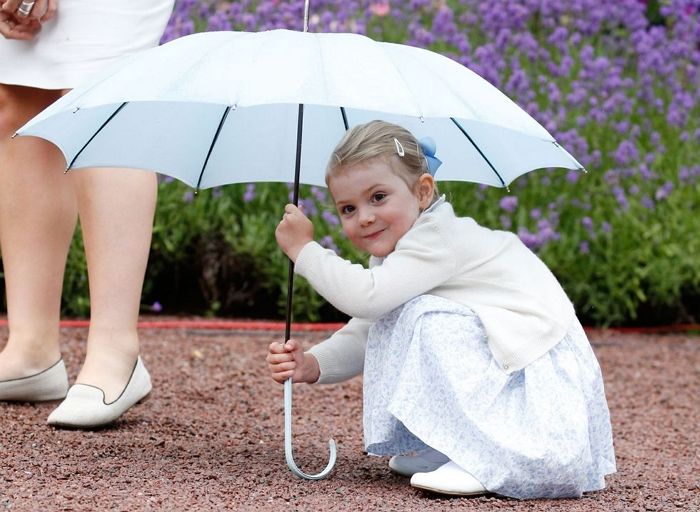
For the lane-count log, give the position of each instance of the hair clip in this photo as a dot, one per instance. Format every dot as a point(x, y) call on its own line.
point(399, 147)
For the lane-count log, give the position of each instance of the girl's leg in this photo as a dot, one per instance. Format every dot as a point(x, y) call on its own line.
point(116, 216)
point(37, 219)
point(420, 359)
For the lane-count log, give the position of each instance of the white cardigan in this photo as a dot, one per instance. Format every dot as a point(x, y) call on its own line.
point(524, 310)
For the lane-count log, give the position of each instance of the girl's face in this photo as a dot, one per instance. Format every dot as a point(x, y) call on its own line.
point(376, 207)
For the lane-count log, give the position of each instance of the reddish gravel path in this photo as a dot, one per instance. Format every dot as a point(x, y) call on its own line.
point(211, 437)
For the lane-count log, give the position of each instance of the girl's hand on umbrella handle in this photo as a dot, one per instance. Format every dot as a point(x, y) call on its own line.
point(288, 359)
point(294, 231)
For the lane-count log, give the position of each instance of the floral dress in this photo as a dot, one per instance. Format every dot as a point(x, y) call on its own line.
point(430, 379)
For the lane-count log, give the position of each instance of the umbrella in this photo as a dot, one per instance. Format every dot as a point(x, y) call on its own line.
point(228, 107)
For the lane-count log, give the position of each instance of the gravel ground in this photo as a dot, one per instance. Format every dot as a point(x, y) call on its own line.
point(210, 437)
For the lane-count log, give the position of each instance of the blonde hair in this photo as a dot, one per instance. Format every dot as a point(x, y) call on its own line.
point(383, 140)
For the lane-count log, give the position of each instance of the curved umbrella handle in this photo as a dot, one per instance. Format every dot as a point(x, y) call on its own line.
point(288, 440)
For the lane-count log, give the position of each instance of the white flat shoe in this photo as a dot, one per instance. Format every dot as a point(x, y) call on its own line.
point(85, 407)
point(448, 479)
point(423, 462)
point(50, 384)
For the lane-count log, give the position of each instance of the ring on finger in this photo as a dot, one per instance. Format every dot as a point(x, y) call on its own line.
point(25, 8)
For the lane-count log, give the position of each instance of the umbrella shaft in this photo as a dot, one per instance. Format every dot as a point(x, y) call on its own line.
point(290, 292)
point(295, 200)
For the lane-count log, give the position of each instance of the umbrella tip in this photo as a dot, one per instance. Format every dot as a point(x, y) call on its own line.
point(14, 135)
point(585, 171)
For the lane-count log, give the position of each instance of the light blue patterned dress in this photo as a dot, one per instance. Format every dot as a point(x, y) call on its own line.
point(430, 379)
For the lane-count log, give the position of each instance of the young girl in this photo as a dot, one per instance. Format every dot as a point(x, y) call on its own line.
point(474, 360)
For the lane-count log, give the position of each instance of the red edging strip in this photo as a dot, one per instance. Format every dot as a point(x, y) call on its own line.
point(236, 325)
point(661, 329)
point(221, 325)
point(256, 325)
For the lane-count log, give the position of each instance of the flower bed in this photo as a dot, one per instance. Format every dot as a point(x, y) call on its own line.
point(616, 83)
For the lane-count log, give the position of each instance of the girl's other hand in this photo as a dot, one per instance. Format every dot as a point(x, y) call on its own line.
point(294, 231)
point(287, 360)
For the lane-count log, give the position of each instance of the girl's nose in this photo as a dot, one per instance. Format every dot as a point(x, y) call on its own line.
point(366, 218)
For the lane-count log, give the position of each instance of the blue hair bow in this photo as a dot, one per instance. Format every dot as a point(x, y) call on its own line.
point(427, 144)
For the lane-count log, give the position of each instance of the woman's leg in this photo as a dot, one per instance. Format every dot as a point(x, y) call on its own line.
point(38, 210)
point(116, 216)
point(37, 220)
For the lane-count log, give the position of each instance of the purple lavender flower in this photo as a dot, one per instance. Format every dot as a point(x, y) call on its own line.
point(645, 173)
point(328, 242)
point(509, 203)
point(664, 191)
point(249, 193)
point(308, 206)
point(626, 153)
point(330, 218)
point(529, 239)
point(621, 197)
point(573, 176)
point(319, 194)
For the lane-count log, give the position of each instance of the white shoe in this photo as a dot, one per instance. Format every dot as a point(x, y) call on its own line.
point(448, 479)
point(50, 384)
point(85, 407)
point(424, 461)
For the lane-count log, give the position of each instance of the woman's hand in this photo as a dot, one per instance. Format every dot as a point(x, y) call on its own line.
point(12, 28)
point(41, 11)
point(15, 25)
point(294, 231)
point(287, 360)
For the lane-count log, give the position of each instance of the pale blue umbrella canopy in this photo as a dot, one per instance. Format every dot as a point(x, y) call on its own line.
point(222, 107)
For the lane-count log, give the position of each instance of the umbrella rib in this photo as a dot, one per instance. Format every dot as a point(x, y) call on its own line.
point(345, 118)
point(211, 147)
point(461, 128)
point(95, 134)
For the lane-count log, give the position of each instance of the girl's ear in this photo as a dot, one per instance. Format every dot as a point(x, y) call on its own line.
point(425, 189)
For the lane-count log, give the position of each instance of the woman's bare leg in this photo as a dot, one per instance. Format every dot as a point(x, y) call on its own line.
point(37, 220)
point(116, 216)
point(38, 210)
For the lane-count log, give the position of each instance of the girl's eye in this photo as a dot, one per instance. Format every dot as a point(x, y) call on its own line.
point(347, 209)
point(378, 197)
